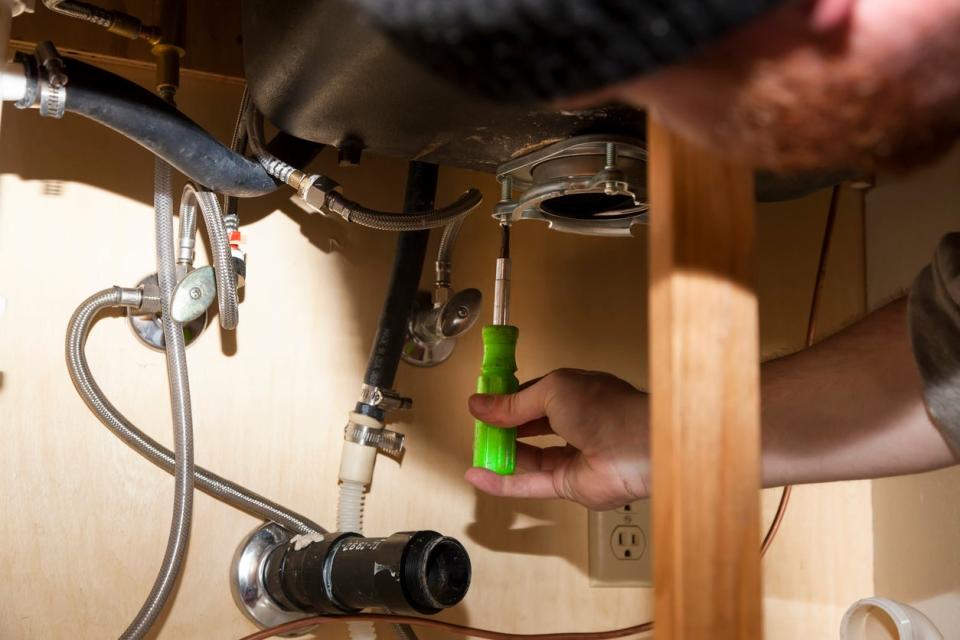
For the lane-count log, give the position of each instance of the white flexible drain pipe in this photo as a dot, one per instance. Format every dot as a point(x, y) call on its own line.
point(889, 618)
point(356, 472)
point(350, 518)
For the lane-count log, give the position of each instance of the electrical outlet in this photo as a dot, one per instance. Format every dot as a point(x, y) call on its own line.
point(620, 553)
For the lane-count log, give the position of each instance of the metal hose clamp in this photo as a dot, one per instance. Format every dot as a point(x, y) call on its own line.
point(53, 83)
point(384, 440)
point(386, 399)
point(53, 100)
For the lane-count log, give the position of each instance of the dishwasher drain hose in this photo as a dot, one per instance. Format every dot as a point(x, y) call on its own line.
point(161, 128)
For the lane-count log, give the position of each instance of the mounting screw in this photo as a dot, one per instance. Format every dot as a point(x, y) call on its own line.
point(610, 166)
point(195, 293)
point(610, 160)
point(506, 188)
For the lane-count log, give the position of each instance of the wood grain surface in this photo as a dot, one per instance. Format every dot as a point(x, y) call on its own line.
point(705, 393)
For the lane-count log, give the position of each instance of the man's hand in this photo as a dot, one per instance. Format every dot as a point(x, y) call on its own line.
point(604, 420)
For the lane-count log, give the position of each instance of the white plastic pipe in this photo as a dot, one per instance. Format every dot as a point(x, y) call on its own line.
point(13, 81)
point(356, 472)
point(6, 16)
point(13, 78)
point(882, 619)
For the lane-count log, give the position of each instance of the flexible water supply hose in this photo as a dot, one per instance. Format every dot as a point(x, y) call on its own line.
point(210, 483)
point(349, 210)
point(187, 234)
point(273, 165)
point(417, 221)
point(238, 143)
point(182, 417)
point(220, 246)
point(81, 11)
point(449, 240)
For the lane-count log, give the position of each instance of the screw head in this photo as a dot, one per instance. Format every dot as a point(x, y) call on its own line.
point(462, 312)
point(195, 293)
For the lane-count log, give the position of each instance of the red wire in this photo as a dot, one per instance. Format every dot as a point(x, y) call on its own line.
point(447, 626)
point(811, 336)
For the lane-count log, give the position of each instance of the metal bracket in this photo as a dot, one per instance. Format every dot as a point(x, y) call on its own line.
point(591, 185)
point(384, 440)
point(386, 399)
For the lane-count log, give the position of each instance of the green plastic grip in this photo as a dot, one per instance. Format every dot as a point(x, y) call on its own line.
point(495, 448)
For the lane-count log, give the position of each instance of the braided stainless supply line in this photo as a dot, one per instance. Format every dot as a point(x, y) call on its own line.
point(210, 483)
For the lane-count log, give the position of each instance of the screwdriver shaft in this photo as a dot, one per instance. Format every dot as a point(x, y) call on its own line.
point(501, 289)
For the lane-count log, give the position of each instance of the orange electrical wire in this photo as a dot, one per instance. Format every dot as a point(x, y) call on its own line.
point(586, 635)
point(447, 626)
point(811, 335)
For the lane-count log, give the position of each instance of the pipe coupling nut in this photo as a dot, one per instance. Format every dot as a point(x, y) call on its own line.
point(129, 297)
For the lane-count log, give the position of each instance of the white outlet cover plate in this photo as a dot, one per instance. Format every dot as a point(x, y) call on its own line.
point(619, 543)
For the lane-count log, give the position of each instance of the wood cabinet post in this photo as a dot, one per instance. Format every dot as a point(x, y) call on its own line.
point(704, 384)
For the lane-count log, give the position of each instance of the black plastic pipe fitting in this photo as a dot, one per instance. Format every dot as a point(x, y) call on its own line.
point(410, 572)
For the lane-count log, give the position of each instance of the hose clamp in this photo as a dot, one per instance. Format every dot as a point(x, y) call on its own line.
point(386, 399)
point(53, 100)
point(53, 84)
point(384, 440)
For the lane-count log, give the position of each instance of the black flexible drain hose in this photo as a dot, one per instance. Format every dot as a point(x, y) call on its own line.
point(145, 118)
point(407, 266)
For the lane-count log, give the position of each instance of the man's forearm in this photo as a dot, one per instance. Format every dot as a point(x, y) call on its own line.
point(849, 408)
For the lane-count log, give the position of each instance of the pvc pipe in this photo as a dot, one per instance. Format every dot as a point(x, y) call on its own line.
point(6, 16)
point(13, 81)
point(892, 621)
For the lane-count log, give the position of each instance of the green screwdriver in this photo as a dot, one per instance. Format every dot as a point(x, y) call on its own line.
point(495, 448)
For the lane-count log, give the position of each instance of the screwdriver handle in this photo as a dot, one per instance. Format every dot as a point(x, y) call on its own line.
point(495, 448)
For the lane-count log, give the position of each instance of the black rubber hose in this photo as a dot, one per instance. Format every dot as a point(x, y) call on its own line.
point(145, 118)
point(405, 281)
